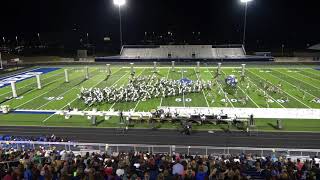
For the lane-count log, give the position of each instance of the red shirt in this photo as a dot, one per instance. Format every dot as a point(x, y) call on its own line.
point(108, 171)
point(299, 166)
point(8, 177)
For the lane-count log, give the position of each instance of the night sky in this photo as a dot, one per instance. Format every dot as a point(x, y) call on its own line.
point(270, 22)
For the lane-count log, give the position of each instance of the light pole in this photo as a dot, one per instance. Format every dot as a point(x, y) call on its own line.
point(120, 3)
point(245, 21)
point(1, 64)
point(17, 41)
point(39, 38)
point(87, 38)
point(4, 41)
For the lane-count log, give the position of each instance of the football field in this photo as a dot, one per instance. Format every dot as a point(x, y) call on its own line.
point(298, 88)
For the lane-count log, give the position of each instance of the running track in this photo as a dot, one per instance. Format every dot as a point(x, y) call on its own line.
point(173, 137)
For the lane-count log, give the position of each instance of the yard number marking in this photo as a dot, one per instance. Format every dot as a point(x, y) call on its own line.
point(53, 98)
point(186, 100)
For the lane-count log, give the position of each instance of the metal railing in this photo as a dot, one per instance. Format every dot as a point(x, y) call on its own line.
point(168, 149)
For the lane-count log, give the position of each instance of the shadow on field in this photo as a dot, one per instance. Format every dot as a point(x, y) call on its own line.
point(99, 122)
point(273, 126)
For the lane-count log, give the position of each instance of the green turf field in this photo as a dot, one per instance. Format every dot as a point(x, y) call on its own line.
point(299, 86)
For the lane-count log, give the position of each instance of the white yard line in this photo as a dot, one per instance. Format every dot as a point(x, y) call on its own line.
point(135, 107)
point(266, 92)
point(29, 84)
point(291, 85)
point(224, 93)
point(67, 92)
point(60, 95)
point(313, 72)
point(70, 102)
point(283, 90)
point(89, 88)
point(249, 98)
point(36, 96)
point(112, 106)
point(307, 76)
point(245, 93)
point(31, 100)
point(205, 97)
point(167, 79)
point(112, 84)
point(48, 118)
point(298, 79)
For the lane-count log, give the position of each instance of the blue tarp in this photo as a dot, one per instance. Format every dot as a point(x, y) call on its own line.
point(31, 112)
point(34, 112)
point(185, 81)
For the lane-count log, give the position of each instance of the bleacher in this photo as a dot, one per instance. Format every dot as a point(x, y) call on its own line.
point(182, 52)
point(230, 52)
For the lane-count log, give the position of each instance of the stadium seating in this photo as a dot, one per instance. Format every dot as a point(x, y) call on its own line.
point(230, 52)
point(53, 163)
point(182, 52)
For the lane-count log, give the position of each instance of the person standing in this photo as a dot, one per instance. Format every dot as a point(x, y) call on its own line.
point(177, 168)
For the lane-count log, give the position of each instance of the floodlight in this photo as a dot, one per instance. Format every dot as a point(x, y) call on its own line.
point(245, 1)
point(1, 64)
point(245, 20)
point(119, 2)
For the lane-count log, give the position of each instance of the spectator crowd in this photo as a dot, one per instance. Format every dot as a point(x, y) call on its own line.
point(51, 138)
point(43, 164)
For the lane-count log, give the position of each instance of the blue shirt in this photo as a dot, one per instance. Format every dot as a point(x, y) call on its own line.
point(27, 174)
point(201, 176)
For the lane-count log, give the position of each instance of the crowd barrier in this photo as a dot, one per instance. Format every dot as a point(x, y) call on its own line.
point(168, 149)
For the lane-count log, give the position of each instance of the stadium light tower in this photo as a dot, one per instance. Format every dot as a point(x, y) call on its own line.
point(17, 41)
point(245, 20)
point(4, 41)
point(39, 38)
point(1, 64)
point(120, 3)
